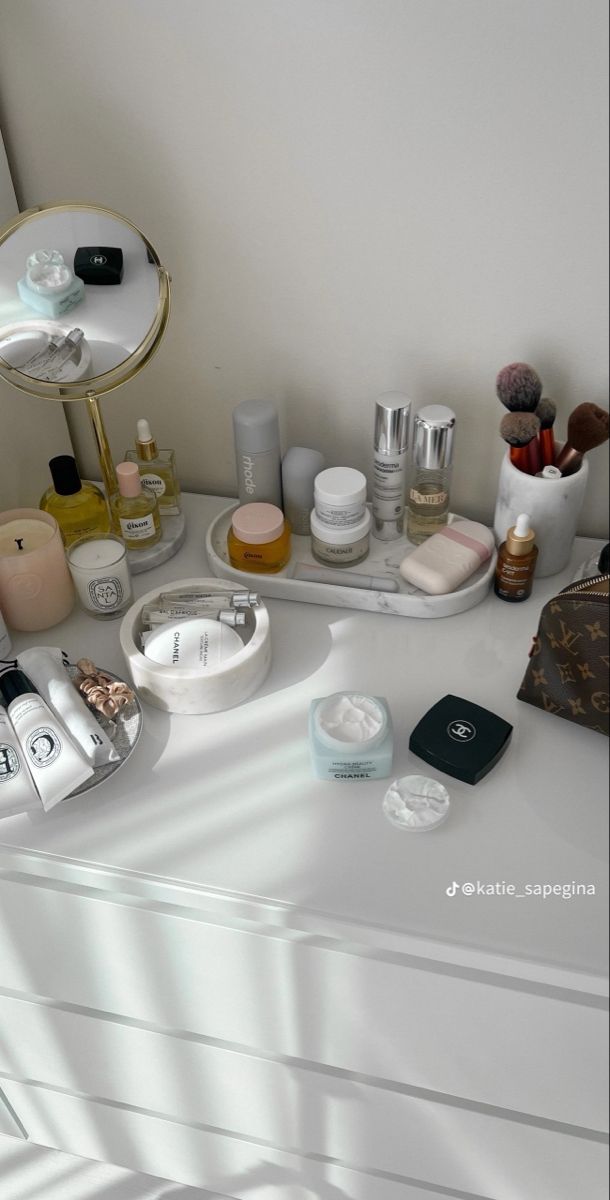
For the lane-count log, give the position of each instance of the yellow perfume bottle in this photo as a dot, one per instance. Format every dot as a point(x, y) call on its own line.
point(157, 470)
point(135, 510)
point(79, 507)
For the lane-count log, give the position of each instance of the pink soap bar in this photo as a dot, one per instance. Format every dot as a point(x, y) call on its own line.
point(449, 557)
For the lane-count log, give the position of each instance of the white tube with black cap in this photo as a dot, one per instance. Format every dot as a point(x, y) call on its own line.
point(56, 766)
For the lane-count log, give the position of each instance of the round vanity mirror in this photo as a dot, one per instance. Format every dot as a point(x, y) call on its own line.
point(84, 301)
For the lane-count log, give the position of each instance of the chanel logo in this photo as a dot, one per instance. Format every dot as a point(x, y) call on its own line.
point(461, 731)
point(98, 260)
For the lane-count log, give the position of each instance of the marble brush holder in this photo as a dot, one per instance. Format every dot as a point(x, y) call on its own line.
point(553, 506)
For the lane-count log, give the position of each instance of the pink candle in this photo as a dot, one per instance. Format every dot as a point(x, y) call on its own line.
point(36, 589)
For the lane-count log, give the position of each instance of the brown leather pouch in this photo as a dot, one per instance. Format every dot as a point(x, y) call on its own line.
point(568, 668)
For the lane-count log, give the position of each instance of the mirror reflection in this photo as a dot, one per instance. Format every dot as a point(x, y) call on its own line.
point(79, 293)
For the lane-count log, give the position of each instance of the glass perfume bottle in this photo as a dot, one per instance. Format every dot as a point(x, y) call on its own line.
point(79, 507)
point(135, 510)
point(157, 470)
point(428, 506)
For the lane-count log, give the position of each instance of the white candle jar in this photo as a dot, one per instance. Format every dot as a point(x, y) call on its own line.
point(553, 506)
point(99, 569)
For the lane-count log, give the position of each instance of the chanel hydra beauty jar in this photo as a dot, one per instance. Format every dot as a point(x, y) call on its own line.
point(350, 737)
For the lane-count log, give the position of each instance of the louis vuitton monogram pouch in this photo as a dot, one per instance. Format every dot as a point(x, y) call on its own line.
point(569, 659)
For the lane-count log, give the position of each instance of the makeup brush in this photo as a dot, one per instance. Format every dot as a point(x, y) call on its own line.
point(518, 429)
point(587, 428)
point(518, 387)
point(546, 411)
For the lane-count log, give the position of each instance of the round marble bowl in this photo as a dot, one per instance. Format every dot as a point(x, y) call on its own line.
point(187, 690)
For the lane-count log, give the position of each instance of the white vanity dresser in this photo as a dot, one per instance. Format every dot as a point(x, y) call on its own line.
point(218, 970)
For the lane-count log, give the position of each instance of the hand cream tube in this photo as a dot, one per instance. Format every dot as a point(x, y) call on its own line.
point(17, 792)
point(44, 666)
point(55, 764)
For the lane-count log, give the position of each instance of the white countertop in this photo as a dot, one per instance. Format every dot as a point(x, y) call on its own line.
point(227, 803)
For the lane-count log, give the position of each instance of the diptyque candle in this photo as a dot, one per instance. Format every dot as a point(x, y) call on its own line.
point(98, 566)
point(36, 590)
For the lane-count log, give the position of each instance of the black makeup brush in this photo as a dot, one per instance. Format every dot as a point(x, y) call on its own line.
point(518, 429)
point(518, 387)
point(587, 428)
point(546, 411)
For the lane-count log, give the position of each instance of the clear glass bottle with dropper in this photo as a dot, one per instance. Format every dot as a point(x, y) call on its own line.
point(157, 470)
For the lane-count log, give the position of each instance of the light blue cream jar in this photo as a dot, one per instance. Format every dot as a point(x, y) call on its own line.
point(350, 736)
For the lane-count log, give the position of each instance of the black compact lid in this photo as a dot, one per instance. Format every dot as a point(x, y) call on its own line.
point(99, 264)
point(14, 683)
point(461, 738)
point(64, 471)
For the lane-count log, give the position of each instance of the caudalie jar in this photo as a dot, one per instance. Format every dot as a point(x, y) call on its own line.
point(259, 539)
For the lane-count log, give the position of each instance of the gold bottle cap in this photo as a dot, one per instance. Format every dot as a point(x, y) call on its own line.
point(146, 445)
point(521, 538)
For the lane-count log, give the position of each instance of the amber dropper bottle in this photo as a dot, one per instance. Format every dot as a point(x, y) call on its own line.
point(516, 562)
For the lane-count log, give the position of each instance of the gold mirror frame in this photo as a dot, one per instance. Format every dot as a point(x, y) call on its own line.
point(91, 389)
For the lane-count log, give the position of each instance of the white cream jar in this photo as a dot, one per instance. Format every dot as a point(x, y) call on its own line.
point(338, 545)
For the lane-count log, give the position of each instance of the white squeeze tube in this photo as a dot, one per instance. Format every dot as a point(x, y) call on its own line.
point(44, 666)
point(17, 791)
point(55, 764)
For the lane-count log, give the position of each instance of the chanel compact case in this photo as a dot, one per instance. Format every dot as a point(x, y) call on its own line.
point(461, 738)
point(99, 264)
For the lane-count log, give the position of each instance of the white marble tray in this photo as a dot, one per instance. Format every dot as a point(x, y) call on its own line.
point(384, 559)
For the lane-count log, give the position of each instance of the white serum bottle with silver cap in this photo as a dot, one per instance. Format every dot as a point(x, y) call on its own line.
point(391, 444)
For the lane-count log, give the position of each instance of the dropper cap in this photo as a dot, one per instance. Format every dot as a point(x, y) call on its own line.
point(128, 479)
point(145, 442)
point(521, 538)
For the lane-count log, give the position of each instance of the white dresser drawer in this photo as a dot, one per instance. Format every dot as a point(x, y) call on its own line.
point(446, 1151)
point(231, 1169)
point(282, 994)
point(288, 1106)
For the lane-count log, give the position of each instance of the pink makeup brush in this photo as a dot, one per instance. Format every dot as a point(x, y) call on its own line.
point(518, 429)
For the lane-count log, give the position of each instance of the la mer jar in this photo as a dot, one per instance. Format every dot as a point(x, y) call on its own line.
point(98, 566)
point(36, 590)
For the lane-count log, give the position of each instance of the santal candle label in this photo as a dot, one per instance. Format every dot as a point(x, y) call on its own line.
point(101, 575)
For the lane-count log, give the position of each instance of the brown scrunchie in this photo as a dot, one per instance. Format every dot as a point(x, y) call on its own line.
point(101, 691)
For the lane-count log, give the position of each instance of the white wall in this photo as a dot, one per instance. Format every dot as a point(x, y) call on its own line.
point(351, 195)
point(31, 431)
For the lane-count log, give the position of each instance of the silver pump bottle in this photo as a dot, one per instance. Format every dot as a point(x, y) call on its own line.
point(391, 443)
